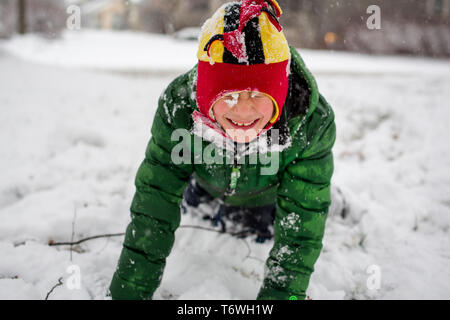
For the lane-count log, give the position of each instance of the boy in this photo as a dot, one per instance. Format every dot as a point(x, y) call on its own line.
point(248, 84)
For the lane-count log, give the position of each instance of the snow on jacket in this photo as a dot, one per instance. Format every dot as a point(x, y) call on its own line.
point(300, 188)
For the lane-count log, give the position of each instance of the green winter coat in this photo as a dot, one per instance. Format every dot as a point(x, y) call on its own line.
point(300, 188)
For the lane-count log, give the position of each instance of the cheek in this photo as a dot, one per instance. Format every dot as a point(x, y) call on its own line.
point(219, 109)
point(266, 108)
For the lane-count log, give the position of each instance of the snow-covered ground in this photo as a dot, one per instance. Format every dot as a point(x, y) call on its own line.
point(72, 139)
point(141, 53)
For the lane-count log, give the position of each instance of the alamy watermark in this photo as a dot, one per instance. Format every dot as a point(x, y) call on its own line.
point(374, 20)
point(216, 152)
point(73, 281)
point(373, 282)
point(73, 21)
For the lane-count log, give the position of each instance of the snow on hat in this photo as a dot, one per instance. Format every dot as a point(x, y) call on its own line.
point(242, 47)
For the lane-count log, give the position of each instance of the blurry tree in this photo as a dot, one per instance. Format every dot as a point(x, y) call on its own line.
point(47, 17)
point(22, 9)
point(8, 18)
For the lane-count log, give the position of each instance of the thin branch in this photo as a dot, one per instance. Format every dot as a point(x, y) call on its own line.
point(56, 285)
point(51, 243)
point(70, 243)
point(344, 210)
point(249, 252)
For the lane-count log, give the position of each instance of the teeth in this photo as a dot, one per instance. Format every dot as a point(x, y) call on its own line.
point(242, 124)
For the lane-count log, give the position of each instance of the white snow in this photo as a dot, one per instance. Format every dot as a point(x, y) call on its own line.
point(234, 101)
point(141, 53)
point(291, 221)
point(72, 141)
point(119, 51)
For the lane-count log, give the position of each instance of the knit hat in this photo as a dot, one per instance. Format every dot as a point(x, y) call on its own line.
point(242, 47)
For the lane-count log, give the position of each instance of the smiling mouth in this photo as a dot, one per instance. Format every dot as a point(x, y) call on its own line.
point(243, 125)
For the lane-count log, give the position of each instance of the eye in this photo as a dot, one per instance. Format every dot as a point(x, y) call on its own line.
point(232, 96)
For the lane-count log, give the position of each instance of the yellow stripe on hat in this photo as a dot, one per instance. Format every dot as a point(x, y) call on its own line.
point(277, 6)
point(212, 26)
point(275, 45)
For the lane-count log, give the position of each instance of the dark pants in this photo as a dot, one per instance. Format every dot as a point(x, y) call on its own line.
point(254, 220)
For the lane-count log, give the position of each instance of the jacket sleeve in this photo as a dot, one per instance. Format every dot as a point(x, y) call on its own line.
point(302, 208)
point(155, 213)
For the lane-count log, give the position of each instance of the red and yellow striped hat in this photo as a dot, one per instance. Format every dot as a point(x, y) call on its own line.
point(242, 47)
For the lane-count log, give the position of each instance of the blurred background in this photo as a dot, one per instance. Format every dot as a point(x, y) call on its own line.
point(79, 86)
point(408, 26)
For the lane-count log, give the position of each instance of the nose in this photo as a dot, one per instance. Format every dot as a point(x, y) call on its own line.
point(244, 109)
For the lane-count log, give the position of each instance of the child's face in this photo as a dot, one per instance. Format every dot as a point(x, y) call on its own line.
point(243, 114)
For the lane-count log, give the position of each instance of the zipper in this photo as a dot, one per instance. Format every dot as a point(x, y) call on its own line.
point(234, 176)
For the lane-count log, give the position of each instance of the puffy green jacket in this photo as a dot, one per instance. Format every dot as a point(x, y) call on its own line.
point(300, 188)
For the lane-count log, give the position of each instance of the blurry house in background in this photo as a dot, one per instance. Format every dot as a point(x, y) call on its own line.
point(108, 14)
point(156, 16)
point(168, 16)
